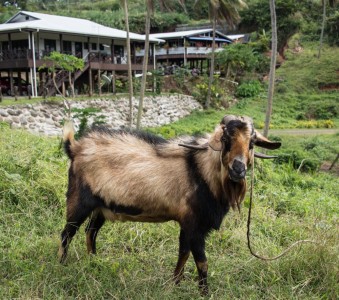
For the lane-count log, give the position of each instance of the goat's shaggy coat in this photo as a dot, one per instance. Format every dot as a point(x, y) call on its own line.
point(135, 176)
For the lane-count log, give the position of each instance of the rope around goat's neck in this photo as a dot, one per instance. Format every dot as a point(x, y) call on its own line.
point(249, 224)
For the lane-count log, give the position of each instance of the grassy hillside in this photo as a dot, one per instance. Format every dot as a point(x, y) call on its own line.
point(135, 261)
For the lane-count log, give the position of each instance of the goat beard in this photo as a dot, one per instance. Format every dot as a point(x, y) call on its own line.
point(234, 192)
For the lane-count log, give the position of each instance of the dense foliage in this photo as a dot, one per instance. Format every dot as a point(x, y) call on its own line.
point(292, 15)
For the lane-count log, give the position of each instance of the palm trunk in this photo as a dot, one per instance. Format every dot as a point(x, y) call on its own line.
point(272, 67)
point(210, 82)
point(145, 64)
point(322, 28)
point(129, 63)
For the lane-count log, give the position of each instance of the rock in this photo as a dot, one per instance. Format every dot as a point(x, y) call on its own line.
point(159, 110)
point(12, 112)
point(23, 121)
point(15, 119)
point(3, 113)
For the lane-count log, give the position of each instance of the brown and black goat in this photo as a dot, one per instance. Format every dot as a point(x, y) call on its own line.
point(122, 175)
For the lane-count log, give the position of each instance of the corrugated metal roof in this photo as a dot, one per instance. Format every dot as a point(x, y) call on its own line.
point(207, 38)
point(68, 25)
point(182, 34)
point(179, 34)
point(236, 36)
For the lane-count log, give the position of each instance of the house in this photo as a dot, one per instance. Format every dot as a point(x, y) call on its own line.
point(28, 36)
point(189, 48)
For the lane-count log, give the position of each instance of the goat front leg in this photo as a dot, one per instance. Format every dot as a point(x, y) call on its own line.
point(184, 253)
point(198, 251)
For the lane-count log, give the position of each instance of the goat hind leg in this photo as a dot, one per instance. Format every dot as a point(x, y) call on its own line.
point(95, 223)
point(76, 215)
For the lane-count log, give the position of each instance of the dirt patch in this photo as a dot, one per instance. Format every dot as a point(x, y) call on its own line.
point(329, 86)
point(325, 167)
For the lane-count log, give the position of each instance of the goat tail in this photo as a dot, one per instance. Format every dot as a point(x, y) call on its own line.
point(68, 137)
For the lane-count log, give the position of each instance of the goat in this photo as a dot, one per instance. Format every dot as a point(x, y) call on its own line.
point(122, 175)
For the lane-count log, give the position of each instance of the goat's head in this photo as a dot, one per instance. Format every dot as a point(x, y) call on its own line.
point(235, 138)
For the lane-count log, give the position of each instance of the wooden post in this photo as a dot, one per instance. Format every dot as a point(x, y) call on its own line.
point(113, 83)
point(29, 91)
point(90, 82)
point(11, 82)
point(99, 83)
point(16, 93)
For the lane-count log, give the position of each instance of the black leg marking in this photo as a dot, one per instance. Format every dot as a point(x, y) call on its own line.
point(95, 223)
point(184, 252)
point(76, 215)
point(198, 251)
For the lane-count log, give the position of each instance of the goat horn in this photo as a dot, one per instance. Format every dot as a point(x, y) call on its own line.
point(195, 147)
point(264, 156)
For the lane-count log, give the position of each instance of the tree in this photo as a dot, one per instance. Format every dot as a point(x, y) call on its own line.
point(129, 62)
point(332, 3)
point(272, 67)
point(258, 18)
point(322, 28)
point(237, 58)
point(221, 11)
point(149, 11)
point(66, 62)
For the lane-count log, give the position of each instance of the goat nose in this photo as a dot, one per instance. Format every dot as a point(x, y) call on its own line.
point(238, 171)
point(238, 166)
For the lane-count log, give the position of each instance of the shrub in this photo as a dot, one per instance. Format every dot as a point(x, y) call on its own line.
point(326, 109)
point(249, 89)
point(315, 124)
point(299, 160)
point(218, 94)
point(84, 115)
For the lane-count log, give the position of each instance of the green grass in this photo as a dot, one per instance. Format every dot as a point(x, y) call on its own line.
point(135, 260)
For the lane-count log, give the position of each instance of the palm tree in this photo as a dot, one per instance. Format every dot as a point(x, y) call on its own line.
point(129, 62)
point(331, 3)
point(272, 67)
point(149, 11)
point(221, 11)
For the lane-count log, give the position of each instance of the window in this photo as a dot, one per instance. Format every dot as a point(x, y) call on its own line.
point(50, 45)
point(119, 50)
point(94, 46)
point(20, 44)
point(67, 47)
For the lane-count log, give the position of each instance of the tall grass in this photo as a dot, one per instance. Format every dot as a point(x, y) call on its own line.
point(136, 260)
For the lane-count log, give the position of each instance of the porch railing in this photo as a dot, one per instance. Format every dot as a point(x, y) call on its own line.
point(203, 50)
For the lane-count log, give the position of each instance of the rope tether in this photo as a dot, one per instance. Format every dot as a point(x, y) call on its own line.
point(249, 224)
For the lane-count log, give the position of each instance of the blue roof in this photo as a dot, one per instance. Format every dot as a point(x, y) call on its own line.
point(209, 39)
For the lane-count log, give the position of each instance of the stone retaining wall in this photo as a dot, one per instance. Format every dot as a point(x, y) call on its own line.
point(46, 118)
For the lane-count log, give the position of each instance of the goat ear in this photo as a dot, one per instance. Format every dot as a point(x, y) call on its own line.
point(263, 142)
point(215, 140)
